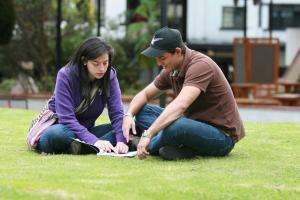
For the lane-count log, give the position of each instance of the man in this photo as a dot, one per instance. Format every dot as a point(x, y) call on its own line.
point(202, 120)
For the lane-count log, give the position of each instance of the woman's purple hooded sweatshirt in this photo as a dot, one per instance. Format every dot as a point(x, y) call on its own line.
point(67, 97)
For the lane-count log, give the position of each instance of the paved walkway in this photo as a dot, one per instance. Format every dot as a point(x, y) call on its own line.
point(252, 114)
point(274, 114)
point(268, 114)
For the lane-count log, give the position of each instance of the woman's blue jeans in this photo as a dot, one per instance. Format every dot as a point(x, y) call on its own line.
point(58, 137)
point(202, 138)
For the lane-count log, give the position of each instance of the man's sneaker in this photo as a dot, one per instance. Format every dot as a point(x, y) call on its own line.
point(77, 148)
point(176, 153)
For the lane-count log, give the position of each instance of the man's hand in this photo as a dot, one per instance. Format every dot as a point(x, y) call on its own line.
point(128, 123)
point(142, 147)
point(121, 147)
point(106, 146)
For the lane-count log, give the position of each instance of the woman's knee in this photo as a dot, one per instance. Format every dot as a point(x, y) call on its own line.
point(54, 138)
point(57, 132)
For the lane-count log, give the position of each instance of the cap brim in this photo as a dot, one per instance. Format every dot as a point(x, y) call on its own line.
point(152, 52)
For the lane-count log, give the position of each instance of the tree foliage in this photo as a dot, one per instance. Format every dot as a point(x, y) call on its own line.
point(7, 20)
point(35, 37)
point(141, 31)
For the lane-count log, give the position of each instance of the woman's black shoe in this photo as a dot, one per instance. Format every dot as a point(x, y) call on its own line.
point(79, 147)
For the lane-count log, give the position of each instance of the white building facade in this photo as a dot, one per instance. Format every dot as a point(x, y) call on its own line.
point(211, 25)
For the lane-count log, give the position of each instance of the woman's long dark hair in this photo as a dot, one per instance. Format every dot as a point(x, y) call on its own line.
point(91, 49)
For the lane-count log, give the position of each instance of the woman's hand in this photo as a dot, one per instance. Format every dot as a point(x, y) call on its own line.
point(106, 146)
point(121, 147)
point(128, 123)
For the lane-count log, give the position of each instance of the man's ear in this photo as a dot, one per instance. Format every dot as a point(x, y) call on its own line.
point(178, 51)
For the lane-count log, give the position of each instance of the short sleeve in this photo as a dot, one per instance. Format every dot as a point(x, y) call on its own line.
point(199, 75)
point(162, 80)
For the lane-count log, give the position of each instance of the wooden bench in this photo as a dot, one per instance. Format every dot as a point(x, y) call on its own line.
point(257, 102)
point(23, 97)
point(288, 99)
point(266, 90)
point(243, 90)
point(289, 87)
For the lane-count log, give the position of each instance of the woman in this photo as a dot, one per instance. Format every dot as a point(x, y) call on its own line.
point(83, 88)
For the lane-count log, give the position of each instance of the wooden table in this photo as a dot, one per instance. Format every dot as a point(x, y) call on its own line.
point(288, 99)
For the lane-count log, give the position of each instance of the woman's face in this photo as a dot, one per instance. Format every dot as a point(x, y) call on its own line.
point(97, 67)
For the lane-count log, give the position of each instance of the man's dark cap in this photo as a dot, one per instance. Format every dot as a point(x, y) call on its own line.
point(164, 40)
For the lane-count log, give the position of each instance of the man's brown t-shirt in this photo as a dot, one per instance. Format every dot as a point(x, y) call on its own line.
point(216, 104)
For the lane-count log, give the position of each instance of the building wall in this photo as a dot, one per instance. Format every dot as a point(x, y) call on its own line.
point(292, 44)
point(114, 16)
point(204, 21)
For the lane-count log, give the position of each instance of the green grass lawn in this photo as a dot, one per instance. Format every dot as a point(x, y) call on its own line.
point(264, 165)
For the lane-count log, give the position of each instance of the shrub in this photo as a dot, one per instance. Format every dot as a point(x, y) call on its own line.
point(6, 85)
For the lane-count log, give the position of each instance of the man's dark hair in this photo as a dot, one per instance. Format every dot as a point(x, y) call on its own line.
point(182, 47)
point(89, 50)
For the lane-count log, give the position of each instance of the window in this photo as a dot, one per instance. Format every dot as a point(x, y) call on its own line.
point(133, 17)
point(285, 15)
point(177, 16)
point(233, 18)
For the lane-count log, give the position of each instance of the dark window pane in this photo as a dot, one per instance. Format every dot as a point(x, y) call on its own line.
point(177, 15)
point(233, 18)
point(285, 15)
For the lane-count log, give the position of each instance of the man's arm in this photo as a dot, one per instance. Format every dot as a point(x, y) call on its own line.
point(175, 109)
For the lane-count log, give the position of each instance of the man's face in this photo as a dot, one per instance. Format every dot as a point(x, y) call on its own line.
point(167, 61)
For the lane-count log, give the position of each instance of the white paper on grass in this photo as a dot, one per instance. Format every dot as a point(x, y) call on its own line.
point(102, 153)
point(129, 154)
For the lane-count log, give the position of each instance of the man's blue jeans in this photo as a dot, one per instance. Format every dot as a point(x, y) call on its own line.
point(200, 137)
point(58, 137)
